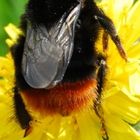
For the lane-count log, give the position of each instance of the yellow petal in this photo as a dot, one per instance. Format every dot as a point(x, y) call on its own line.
point(116, 10)
point(133, 22)
point(126, 107)
point(13, 33)
point(10, 42)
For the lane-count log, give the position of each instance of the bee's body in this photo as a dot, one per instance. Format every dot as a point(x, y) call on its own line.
point(81, 79)
point(83, 58)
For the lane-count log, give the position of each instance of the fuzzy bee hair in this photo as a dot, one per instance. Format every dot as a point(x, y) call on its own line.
point(44, 17)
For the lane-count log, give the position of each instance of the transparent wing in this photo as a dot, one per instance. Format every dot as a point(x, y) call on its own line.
point(48, 53)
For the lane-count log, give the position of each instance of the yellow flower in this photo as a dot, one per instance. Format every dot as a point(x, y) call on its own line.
point(121, 93)
point(13, 33)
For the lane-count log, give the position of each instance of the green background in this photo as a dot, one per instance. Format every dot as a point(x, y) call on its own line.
point(10, 11)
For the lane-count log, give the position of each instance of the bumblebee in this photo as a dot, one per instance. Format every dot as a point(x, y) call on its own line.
point(57, 65)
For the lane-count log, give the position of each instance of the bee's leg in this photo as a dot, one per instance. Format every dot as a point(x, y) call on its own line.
point(97, 104)
point(105, 40)
point(28, 130)
point(109, 27)
point(22, 114)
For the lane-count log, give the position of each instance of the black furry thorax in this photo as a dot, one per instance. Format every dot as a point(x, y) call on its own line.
point(47, 12)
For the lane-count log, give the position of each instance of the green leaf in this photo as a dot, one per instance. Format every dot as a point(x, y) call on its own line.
point(10, 12)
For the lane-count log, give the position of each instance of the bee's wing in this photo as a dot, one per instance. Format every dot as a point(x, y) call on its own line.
point(47, 53)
